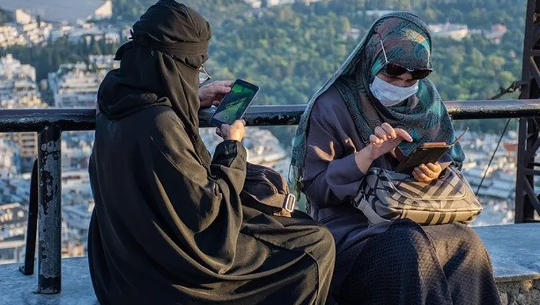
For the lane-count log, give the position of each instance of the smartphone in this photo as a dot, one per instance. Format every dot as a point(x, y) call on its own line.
point(235, 103)
point(427, 153)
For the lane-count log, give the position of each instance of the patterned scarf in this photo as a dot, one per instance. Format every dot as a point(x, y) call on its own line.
point(408, 43)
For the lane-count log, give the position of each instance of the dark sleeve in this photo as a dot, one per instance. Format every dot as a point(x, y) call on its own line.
point(199, 204)
point(229, 163)
point(331, 177)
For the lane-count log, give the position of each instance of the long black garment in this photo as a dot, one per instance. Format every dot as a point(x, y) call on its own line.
point(168, 225)
point(408, 264)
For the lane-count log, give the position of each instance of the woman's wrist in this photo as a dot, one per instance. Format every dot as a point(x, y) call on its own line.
point(363, 159)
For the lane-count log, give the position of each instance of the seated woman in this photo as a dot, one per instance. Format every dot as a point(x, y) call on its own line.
point(169, 226)
point(380, 98)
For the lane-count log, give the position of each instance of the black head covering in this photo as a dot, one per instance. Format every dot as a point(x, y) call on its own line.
point(164, 231)
point(160, 67)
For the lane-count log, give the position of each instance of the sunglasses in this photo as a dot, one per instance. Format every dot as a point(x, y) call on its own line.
point(395, 70)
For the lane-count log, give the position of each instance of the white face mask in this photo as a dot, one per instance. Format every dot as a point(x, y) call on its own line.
point(390, 95)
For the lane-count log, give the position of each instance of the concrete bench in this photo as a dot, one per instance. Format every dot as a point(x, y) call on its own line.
point(515, 254)
point(514, 249)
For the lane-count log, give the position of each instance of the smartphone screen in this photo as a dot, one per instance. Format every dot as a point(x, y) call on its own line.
point(234, 104)
point(422, 155)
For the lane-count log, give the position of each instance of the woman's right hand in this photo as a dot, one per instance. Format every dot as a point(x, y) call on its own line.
point(235, 132)
point(385, 139)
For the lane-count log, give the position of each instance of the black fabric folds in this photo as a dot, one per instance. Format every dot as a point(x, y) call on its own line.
point(168, 225)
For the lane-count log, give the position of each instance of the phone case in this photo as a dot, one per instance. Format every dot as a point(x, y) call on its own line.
point(215, 122)
point(427, 153)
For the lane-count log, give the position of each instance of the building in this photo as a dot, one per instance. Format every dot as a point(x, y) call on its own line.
point(15, 190)
point(278, 2)
point(13, 218)
point(76, 85)
point(27, 144)
point(378, 13)
point(18, 89)
point(254, 3)
point(449, 30)
point(103, 12)
point(55, 10)
point(12, 73)
point(36, 32)
point(10, 36)
point(12, 251)
point(352, 34)
point(22, 17)
point(10, 161)
point(77, 222)
point(496, 33)
point(88, 32)
point(26, 30)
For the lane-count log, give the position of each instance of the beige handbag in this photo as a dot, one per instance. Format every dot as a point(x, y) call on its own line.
point(386, 195)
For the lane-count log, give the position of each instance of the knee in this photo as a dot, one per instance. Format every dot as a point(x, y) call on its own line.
point(468, 238)
point(324, 252)
point(326, 242)
point(407, 246)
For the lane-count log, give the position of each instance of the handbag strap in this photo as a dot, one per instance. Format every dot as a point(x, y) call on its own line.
point(363, 205)
point(276, 202)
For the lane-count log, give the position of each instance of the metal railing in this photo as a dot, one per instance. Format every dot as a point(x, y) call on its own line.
point(45, 195)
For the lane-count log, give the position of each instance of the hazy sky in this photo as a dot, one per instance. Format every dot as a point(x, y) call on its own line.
point(55, 10)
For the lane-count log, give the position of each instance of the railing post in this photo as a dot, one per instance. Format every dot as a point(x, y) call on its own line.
point(31, 230)
point(50, 210)
point(527, 199)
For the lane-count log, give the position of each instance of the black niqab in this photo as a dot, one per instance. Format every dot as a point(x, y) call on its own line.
point(160, 66)
point(168, 225)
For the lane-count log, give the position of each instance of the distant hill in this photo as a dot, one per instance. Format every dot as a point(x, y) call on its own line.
point(290, 50)
point(214, 10)
point(54, 10)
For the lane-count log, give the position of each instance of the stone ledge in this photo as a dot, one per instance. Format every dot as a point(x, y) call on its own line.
point(18, 289)
point(520, 293)
point(514, 249)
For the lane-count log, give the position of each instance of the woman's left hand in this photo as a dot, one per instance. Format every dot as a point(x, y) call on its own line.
point(213, 93)
point(427, 172)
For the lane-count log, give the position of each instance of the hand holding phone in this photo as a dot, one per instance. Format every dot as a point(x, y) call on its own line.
point(235, 103)
point(235, 132)
point(429, 152)
point(427, 172)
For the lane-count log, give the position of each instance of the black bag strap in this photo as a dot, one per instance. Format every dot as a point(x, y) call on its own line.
point(273, 204)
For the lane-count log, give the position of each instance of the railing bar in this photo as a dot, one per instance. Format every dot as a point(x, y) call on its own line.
point(533, 172)
point(19, 120)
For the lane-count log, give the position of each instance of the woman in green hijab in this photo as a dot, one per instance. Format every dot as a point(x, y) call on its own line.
point(378, 100)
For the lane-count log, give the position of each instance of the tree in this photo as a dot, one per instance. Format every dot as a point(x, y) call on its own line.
point(344, 24)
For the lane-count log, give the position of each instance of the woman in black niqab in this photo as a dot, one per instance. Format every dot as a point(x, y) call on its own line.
point(168, 225)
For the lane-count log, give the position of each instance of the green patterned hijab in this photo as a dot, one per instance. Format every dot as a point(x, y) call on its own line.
point(408, 43)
